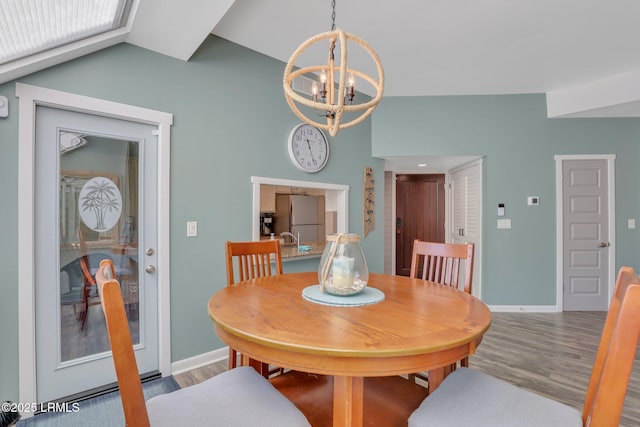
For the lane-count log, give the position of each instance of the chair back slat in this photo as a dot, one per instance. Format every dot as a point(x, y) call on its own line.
point(258, 265)
point(124, 359)
point(441, 263)
point(616, 354)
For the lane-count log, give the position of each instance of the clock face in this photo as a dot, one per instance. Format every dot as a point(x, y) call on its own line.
point(308, 148)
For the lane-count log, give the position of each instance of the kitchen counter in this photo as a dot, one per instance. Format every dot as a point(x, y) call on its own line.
point(291, 251)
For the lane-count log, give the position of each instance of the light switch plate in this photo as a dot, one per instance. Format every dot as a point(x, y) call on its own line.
point(4, 106)
point(631, 223)
point(504, 224)
point(192, 228)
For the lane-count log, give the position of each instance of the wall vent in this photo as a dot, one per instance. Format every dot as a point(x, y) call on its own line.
point(303, 85)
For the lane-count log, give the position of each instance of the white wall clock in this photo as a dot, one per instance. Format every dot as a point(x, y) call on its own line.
point(308, 148)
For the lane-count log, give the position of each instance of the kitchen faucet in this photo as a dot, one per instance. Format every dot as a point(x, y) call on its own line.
point(295, 239)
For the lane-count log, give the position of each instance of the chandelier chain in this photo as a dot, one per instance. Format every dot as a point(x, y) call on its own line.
point(333, 15)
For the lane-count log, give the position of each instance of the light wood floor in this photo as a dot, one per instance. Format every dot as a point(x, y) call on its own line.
point(548, 353)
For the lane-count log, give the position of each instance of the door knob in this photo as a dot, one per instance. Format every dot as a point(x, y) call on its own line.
point(149, 251)
point(150, 269)
point(603, 244)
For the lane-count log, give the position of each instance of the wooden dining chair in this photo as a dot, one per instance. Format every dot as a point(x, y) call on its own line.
point(253, 260)
point(441, 263)
point(239, 397)
point(78, 286)
point(472, 398)
point(82, 289)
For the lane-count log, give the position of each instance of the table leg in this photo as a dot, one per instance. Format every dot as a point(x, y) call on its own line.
point(262, 368)
point(348, 398)
point(436, 376)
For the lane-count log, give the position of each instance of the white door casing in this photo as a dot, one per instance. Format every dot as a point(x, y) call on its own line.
point(585, 217)
point(30, 97)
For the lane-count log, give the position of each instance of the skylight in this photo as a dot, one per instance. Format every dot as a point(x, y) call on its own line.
point(31, 26)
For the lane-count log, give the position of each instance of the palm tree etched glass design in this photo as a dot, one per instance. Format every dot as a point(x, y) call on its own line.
point(100, 204)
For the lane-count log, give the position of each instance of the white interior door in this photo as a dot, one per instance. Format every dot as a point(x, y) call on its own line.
point(95, 198)
point(466, 213)
point(585, 190)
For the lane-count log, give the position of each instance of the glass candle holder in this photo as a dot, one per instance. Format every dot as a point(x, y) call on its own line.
point(343, 268)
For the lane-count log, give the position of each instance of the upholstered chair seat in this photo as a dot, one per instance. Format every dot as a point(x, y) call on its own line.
point(490, 402)
point(240, 398)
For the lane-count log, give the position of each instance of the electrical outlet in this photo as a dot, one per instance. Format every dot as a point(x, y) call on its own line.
point(631, 223)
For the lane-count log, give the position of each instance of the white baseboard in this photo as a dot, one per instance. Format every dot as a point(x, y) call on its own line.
point(194, 362)
point(523, 309)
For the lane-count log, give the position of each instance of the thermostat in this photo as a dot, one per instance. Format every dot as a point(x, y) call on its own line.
point(4, 106)
point(533, 200)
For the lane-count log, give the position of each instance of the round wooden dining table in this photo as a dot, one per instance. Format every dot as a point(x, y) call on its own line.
point(418, 326)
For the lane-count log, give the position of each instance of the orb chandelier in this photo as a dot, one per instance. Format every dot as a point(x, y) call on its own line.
point(333, 89)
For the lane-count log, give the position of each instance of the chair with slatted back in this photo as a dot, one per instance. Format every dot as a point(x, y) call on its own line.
point(80, 282)
point(253, 260)
point(442, 263)
point(472, 398)
point(240, 397)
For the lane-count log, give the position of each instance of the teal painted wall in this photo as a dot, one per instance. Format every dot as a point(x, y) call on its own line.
point(231, 121)
point(519, 143)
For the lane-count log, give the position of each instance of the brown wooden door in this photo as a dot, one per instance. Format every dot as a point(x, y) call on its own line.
point(420, 213)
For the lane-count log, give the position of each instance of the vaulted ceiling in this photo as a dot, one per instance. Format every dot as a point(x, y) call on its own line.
point(582, 53)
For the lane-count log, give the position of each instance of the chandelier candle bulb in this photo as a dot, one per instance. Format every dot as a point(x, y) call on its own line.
point(352, 87)
point(323, 80)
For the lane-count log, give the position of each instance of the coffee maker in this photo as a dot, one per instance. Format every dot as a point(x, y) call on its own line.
point(266, 223)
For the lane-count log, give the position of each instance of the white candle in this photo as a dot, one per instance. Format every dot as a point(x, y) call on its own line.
point(323, 80)
point(342, 271)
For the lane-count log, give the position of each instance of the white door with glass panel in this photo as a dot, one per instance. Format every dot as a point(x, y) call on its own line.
point(95, 199)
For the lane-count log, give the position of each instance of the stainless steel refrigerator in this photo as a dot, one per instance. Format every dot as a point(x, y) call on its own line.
point(300, 214)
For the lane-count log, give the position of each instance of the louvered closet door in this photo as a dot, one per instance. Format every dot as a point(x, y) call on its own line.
point(466, 212)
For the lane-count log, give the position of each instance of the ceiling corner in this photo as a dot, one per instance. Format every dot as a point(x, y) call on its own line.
point(615, 96)
point(162, 28)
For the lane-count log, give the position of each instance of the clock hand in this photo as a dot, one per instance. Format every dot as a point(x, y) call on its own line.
point(310, 152)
